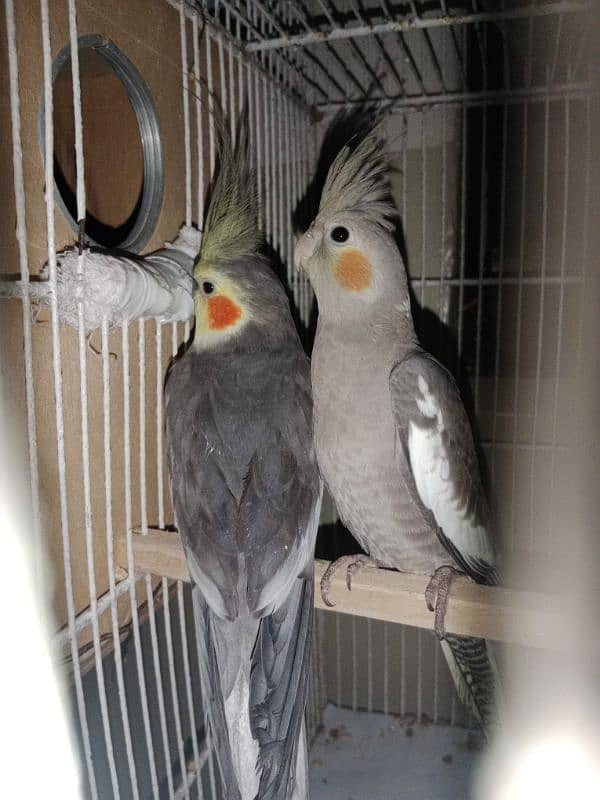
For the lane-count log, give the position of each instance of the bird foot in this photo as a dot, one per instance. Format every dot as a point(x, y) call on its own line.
point(351, 564)
point(436, 597)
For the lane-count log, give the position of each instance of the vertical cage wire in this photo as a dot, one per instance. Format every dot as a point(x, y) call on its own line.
point(140, 675)
point(21, 235)
point(520, 296)
point(58, 395)
point(111, 562)
point(148, 578)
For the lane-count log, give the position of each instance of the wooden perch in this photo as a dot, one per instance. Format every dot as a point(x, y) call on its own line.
point(492, 612)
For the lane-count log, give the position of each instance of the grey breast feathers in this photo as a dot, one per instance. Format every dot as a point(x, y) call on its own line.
point(243, 475)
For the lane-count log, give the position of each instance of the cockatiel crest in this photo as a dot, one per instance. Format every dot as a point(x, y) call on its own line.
point(349, 251)
point(225, 298)
point(231, 230)
point(357, 183)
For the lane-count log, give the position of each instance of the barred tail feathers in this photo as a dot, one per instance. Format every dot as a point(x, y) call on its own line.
point(475, 676)
point(225, 655)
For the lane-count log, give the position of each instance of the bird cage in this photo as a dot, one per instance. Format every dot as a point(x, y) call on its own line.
point(489, 110)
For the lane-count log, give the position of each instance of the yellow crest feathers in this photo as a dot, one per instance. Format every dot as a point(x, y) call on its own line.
point(230, 227)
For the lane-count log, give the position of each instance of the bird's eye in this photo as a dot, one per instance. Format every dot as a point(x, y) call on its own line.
point(340, 234)
point(208, 287)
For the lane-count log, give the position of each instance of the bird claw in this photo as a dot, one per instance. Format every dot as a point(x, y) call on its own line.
point(436, 597)
point(352, 564)
point(430, 593)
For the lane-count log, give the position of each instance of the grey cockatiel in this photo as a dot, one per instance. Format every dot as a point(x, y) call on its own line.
point(392, 438)
point(246, 494)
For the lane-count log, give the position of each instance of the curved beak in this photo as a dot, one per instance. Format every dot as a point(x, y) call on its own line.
point(305, 247)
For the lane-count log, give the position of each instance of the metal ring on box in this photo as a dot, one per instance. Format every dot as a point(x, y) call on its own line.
point(143, 106)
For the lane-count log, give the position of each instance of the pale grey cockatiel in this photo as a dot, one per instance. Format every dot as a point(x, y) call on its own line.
point(392, 438)
point(246, 494)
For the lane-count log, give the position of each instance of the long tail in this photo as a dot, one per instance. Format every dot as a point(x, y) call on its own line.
point(255, 675)
point(475, 676)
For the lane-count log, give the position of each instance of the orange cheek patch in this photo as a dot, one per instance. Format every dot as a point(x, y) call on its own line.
point(353, 271)
point(222, 312)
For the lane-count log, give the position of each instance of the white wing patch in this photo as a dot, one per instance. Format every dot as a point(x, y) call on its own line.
point(431, 470)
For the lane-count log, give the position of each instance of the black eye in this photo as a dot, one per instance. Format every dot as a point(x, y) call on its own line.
point(340, 234)
point(208, 287)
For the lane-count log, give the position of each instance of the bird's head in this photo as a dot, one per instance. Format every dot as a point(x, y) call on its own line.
point(238, 300)
point(222, 307)
point(349, 252)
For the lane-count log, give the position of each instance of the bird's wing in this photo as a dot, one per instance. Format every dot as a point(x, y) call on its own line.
point(203, 486)
point(282, 496)
point(438, 462)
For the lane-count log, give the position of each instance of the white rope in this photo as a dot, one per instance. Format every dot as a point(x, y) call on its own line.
point(121, 289)
point(186, 115)
point(21, 233)
point(58, 400)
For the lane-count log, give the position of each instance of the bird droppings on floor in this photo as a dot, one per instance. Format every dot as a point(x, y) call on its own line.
point(371, 756)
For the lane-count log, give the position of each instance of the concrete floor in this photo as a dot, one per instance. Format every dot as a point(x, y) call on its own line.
point(371, 756)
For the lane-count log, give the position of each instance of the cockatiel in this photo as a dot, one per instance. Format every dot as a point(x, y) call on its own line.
point(247, 495)
point(392, 438)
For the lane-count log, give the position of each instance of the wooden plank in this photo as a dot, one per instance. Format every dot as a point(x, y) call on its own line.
point(492, 612)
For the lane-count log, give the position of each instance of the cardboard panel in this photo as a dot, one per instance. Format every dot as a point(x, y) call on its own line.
point(147, 31)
